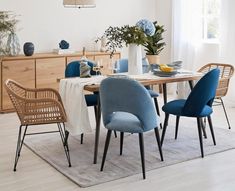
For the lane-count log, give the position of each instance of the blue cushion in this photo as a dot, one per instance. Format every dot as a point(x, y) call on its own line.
point(176, 108)
point(91, 100)
point(125, 122)
point(153, 93)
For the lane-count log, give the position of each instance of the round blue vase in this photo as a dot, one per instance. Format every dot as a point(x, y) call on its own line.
point(28, 49)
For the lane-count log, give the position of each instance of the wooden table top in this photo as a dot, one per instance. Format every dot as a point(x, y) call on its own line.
point(147, 79)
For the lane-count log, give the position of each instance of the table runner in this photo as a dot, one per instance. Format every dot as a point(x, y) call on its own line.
point(73, 98)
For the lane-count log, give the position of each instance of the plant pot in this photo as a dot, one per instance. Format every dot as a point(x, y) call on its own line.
point(134, 59)
point(153, 59)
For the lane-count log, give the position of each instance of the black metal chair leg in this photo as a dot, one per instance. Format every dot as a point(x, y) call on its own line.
point(121, 142)
point(157, 109)
point(108, 136)
point(64, 138)
point(203, 127)
point(141, 143)
point(164, 127)
point(200, 136)
point(17, 148)
point(225, 112)
point(158, 142)
point(177, 126)
point(20, 142)
point(211, 128)
point(82, 136)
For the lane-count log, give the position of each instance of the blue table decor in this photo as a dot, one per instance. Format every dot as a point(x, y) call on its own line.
point(28, 48)
point(64, 44)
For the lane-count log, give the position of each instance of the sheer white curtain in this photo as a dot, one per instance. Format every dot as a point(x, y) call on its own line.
point(227, 40)
point(186, 35)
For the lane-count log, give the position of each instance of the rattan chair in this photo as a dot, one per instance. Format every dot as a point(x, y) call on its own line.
point(37, 107)
point(226, 72)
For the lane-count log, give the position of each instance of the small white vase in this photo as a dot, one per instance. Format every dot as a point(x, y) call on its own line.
point(103, 41)
point(135, 60)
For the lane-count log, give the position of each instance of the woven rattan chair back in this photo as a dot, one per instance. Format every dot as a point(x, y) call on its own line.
point(36, 106)
point(226, 72)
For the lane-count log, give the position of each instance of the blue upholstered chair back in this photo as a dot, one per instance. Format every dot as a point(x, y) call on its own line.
point(123, 63)
point(73, 69)
point(202, 94)
point(127, 95)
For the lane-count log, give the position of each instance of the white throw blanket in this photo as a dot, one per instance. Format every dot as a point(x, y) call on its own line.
point(72, 94)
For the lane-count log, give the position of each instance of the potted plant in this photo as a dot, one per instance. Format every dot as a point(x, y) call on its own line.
point(154, 44)
point(133, 37)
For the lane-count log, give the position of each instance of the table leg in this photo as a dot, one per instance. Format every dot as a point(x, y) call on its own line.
point(191, 84)
point(164, 88)
point(97, 131)
point(164, 93)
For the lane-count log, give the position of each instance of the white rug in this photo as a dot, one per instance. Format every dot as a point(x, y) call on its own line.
point(84, 173)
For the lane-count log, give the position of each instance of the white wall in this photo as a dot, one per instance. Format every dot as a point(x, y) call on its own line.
point(46, 22)
point(164, 17)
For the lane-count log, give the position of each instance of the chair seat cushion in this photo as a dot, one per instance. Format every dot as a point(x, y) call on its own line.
point(176, 107)
point(91, 99)
point(153, 93)
point(125, 122)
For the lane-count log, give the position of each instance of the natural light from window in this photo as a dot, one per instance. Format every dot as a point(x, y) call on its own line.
point(210, 20)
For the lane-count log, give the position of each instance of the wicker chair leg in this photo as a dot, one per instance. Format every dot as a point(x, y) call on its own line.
point(225, 112)
point(19, 145)
point(64, 134)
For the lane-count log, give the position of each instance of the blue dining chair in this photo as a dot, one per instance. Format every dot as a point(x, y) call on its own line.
point(123, 67)
point(197, 105)
point(127, 107)
point(73, 70)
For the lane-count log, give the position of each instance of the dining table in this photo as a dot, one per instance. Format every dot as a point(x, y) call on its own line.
point(147, 79)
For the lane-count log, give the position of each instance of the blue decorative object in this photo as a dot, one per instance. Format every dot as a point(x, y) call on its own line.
point(28, 48)
point(64, 44)
point(147, 26)
point(197, 105)
point(127, 107)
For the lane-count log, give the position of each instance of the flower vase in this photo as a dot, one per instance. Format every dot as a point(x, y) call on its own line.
point(134, 59)
point(13, 45)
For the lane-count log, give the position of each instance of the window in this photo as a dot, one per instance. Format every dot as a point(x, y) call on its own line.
point(210, 20)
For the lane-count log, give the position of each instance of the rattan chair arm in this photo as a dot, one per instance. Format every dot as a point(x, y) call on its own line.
point(45, 92)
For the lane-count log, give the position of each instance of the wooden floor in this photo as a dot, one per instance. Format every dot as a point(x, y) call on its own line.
point(214, 172)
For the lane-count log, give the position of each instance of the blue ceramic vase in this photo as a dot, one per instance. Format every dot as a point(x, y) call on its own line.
point(28, 49)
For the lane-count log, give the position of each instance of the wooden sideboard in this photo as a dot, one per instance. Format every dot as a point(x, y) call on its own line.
point(42, 70)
